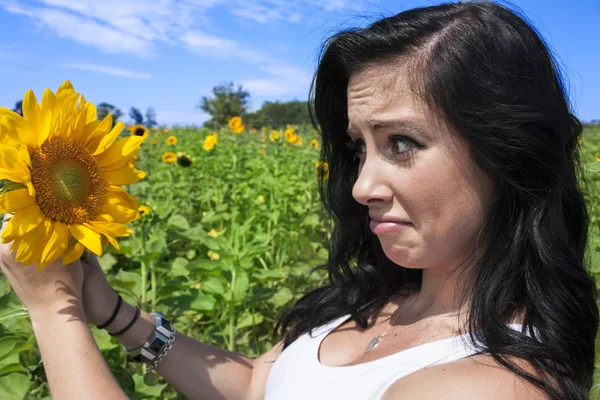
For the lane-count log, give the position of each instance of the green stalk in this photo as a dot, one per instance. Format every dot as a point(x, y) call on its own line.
point(144, 273)
point(232, 313)
point(153, 283)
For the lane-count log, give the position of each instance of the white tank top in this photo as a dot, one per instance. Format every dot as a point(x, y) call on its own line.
point(297, 374)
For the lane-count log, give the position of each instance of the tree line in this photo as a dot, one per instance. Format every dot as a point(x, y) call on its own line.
point(227, 101)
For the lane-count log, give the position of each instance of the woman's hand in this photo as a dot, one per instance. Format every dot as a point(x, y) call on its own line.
point(56, 287)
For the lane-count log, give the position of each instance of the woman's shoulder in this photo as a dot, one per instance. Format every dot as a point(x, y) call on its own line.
point(476, 377)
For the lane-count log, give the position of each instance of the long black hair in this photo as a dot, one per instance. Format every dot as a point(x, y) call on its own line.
point(488, 74)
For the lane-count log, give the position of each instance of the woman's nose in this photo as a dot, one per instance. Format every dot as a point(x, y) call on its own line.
point(371, 185)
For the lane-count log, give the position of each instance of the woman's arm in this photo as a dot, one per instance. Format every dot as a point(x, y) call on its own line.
point(73, 363)
point(198, 370)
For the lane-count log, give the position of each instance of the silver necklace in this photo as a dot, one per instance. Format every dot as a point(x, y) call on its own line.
point(377, 339)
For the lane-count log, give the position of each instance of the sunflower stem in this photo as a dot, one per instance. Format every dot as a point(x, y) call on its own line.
point(153, 283)
point(144, 273)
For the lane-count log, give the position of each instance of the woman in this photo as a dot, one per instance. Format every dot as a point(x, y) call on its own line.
point(457, 264)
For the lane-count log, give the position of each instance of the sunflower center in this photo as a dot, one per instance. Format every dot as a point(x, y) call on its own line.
point(139, 132)
point(67, 180)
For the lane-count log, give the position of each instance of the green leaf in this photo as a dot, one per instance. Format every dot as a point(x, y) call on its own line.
point(14, 386)
point(11, 310)
point(203, 302)
point(178, 267)
point(213, 285)
point(241, 286)
point(178, 221)
point(152, 391)
point(249, 319)
point(107, 261)
point(122, 376)
point(103, 339)
point(282, 297)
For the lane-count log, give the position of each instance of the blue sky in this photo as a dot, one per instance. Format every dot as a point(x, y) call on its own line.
point(167, 54)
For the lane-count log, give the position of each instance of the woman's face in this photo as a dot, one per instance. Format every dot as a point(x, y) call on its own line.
point(413, 168)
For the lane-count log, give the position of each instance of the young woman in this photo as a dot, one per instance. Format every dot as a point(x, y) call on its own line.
point(457, 265)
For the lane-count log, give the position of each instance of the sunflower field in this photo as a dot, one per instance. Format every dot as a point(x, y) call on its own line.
point(230, 226)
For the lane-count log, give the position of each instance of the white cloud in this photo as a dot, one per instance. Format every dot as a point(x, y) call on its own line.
point(282, 79)
point(107, 70)
point(135, 26)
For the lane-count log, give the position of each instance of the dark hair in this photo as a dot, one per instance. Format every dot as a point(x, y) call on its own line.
point(491, 77)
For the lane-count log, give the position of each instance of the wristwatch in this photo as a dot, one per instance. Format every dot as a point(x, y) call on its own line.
point(163, 334)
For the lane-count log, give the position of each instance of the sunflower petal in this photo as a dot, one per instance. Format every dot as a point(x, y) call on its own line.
point(48, 102)
point(95, 131)
point(119, 213)
point(91, 112)
point(109, 139)
point(123, 176)
point(56, 245)
point(29, 251)
point(14, 163)
point(87, 237)
point(15, 201)
point(23, 222)
point(32, 113)
point(120, 152)
point(73, 253)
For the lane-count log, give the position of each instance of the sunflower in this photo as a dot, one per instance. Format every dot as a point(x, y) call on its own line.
point(165, 130)
point(274, 136)
point(210, 141)
point(235, 123)
point(297, 140)
point(261, 151)
point(169, 157)
point(580, 142)
point(171, 140)
point(184, 160)
point(138, 130)
point(69, 168)
point(144, 210)
point(314, 144)
point(598, 157)
point(322, 169)
point(290, 135)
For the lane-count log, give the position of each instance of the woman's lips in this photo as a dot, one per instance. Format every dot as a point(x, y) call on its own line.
point(381, 227)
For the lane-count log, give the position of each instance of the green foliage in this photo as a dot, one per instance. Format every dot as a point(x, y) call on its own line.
point(279, 114)
point(227, 102)
point(226, 247)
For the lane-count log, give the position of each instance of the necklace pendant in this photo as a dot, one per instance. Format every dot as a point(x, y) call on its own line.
point(373, 344)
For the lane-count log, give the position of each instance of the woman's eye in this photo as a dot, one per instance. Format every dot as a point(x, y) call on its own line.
point(400, 146)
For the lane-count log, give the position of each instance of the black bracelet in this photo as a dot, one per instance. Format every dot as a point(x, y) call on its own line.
point(113, 316)
point(122, 331)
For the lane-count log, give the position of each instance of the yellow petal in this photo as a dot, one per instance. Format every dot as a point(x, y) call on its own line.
point(32, 113)
point(105, 217)
point(95, 132)
point(73, 254)
point(111, 230)
point(87, 237)
point(57, 244)
point(123, 176)
point(48, 101)
point(30, 251)
point(119, 213)
point(14, 164)
point(22, 222)
point(120, 152)
point(91, 112)
point(66, 88)
point(15, 201)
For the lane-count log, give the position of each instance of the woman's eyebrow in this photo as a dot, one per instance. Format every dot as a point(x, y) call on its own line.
point(408, 125)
